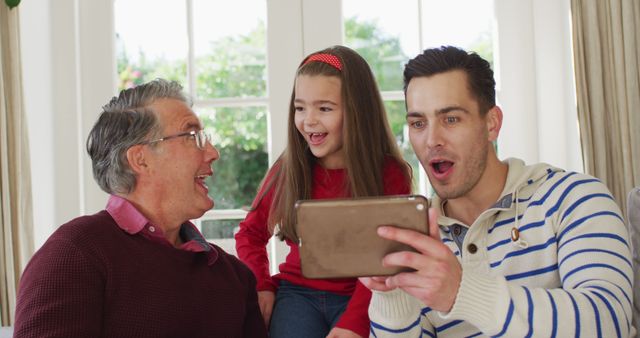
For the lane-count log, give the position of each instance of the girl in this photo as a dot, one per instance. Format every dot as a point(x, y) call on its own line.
point(339, 145)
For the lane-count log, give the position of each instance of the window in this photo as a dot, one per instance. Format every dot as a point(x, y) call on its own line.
point(218, 52)
point(387, 34)
point(222, 63)
point(75, 51)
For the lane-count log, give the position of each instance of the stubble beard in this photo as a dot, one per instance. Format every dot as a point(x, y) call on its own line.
point(470, 176)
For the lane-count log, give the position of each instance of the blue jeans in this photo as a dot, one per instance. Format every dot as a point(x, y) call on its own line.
point(302, 312)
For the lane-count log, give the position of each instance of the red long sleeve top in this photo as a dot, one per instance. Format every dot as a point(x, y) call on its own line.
point(253, 236)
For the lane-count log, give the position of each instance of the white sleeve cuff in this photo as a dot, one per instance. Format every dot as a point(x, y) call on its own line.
point(482, 301)
point(393, 308)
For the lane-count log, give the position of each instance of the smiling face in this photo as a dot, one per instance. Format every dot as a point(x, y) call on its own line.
point(177, 167)
point(451, 138)
point(319, 117)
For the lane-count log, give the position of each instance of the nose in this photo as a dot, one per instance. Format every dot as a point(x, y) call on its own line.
point(310, 118)
point(434, 136)
point(210, 152)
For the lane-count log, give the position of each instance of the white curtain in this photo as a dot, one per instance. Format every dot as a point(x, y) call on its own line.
point(606, 41)
point(16, 233)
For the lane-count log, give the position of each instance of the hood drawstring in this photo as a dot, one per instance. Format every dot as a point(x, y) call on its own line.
point(516, 239)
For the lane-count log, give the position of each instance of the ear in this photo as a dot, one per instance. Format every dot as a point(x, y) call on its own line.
point(494, 122)
point(136, 159)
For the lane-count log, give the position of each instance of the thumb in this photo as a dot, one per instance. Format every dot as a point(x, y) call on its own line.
point(434, 229)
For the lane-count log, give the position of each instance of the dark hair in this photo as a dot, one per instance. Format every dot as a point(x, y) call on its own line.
point(125, 121)
point(447, 58)
point(368, 141)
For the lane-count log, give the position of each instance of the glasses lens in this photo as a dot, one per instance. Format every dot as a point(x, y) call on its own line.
point(201, 139)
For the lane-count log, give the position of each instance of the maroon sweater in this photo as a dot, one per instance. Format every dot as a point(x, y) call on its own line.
point(92, 279)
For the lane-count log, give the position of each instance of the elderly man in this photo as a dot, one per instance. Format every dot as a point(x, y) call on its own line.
point(139, 268)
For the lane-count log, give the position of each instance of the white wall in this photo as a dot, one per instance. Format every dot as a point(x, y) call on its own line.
point(289, 39)
point(35, 23)
point(558, 134)
point(535, 82)
point(68, 72)
point(296, 28)
point(67, 77)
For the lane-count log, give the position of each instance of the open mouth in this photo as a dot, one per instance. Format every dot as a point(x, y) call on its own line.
point(316, 138)
point(441, 167)
point(200, 179)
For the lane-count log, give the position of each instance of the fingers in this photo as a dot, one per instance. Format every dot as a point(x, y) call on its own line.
point(437, 292)
point(437, 274)
point(413, 279)
point(265, 301)
point(408, 259)
point(375, 283)
point(426, 244)
point(420, 242)
point(266, 315)
point(423, 264)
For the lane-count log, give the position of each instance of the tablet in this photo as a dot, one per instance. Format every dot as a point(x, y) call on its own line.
point(338, 239)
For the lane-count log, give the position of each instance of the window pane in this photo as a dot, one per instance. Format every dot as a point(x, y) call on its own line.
point(230, 48)
point(217, 229)
point(383, 33)
point(387, 34)
point(444, 23)
point(398, 121)
point(150, 45)
point(240, 135)
point(221, 232)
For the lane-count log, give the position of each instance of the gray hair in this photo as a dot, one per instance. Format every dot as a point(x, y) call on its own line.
point(125, 121)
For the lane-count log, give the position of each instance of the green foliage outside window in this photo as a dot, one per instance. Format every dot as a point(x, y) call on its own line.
point(133, 73)
point(240, 135)
point(236, 67)
point(383, 52)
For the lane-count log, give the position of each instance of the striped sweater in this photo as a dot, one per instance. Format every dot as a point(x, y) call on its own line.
point(569, 273)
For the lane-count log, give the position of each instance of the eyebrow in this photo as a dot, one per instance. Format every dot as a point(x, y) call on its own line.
point(193, 126)
point(440, 111)
point(319, 102)
point(450, 109)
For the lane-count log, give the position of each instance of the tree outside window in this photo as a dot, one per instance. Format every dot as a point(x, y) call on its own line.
point(235, 67)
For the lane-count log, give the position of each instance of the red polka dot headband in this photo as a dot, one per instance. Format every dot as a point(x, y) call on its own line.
point(326, 58)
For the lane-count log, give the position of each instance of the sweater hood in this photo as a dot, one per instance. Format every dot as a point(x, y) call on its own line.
point(521, 175)
point(522, 180)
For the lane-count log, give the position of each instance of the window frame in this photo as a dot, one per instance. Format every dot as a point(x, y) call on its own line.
point(69, 69)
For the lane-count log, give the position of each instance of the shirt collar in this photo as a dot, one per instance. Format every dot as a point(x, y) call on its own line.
point(126, 215)
point(443, 221)
point(132, 221)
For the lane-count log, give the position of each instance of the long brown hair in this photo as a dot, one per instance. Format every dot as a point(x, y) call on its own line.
point(368, 142)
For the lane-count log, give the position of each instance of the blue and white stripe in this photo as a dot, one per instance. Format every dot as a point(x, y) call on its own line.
point(569, 275)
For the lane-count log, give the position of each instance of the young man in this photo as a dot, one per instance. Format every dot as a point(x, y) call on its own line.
point(140, 268)
point(514, 250)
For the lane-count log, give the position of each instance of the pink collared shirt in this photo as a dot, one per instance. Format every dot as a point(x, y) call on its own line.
point(134, 222)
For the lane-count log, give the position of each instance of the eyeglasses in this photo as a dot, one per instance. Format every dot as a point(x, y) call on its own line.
point(201, 137)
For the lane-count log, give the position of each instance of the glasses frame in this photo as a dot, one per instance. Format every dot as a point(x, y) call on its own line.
point(201, 137)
